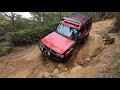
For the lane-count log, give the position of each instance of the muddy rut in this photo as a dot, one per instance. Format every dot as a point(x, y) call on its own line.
point(29, 63)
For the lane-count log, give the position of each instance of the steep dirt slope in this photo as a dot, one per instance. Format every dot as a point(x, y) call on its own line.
point(30, 63)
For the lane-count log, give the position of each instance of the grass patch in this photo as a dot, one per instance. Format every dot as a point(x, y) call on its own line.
point(117, 65)
point(5, 50)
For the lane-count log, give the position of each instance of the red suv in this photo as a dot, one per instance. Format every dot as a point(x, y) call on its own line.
point(59, 44)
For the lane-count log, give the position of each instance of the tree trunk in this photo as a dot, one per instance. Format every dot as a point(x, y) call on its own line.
point(60, 15)
point(13, 21)
point(13, 25)
point(11, 16)
point(102, 14)
point(116, 23)
point(116, 27)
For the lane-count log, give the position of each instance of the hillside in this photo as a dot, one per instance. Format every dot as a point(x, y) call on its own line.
point(29, 62)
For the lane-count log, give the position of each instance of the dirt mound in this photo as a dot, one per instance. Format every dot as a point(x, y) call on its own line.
point(92, 47)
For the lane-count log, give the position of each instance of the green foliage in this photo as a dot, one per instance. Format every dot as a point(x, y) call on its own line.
point(30, 36)
point(5, 50)
point(3, 22)
point(24, 38)
point(21, 23)
point(4, 25)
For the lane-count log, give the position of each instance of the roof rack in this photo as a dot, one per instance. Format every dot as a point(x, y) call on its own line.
point(71, 20)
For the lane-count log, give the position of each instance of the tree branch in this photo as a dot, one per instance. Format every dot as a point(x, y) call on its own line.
point(7, 14)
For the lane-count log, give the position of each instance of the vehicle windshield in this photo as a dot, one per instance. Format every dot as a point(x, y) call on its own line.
point(67, 31)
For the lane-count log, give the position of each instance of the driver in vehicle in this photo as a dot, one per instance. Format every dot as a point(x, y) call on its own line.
point(74, 34)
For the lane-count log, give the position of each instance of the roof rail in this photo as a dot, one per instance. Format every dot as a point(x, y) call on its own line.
point(71, 20)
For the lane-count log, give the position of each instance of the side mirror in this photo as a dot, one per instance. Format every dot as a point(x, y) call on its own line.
point(54, 28)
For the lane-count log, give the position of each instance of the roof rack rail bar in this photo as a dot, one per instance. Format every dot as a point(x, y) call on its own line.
point(72, 20)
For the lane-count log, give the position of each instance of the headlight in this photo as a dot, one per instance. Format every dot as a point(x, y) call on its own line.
point(59, 55)
point(62, 56)
point(41, 46)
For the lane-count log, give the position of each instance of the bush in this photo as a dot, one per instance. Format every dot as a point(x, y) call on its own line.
point(5, 50)
point(22, 38)
point(2, 39)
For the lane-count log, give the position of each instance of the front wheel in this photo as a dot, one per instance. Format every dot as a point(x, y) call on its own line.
point(67, 59)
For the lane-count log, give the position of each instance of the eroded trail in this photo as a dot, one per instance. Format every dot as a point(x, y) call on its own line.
point(30, 62)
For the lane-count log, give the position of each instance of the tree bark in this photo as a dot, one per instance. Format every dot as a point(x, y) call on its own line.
point(60, 15)
point(13, 22)
point(116, 27)
point(11, 16)
point(116, 24)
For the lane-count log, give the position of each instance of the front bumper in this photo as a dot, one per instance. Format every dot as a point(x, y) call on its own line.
point(50, 55)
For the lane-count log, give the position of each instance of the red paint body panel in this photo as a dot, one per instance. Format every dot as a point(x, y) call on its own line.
point(68, 52)
point(85, 34)
point(57, 42)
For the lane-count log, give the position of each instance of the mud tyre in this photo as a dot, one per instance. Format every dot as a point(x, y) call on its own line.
point(67, 59)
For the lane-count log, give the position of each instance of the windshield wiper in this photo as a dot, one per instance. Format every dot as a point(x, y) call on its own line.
point(66, 36)
point(63, 35)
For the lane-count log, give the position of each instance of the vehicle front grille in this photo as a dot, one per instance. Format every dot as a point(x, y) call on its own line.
point(52, 53)
point(48, 49)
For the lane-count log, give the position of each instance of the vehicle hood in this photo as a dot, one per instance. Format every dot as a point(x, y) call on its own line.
point(57, 42)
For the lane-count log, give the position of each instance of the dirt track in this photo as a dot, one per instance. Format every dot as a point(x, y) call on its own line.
point(30, 63)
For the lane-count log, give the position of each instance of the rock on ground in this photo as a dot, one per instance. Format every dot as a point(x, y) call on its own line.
point(66, 69)
point(76, 64)
point(46, 75)
point(75, 69)
point(62, 75)
point(87, 59)
point(61, 66)
point(56, 71)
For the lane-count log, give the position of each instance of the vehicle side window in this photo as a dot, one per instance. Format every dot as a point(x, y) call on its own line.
point(90, 23)
point(81, 31)
point(86, 26)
